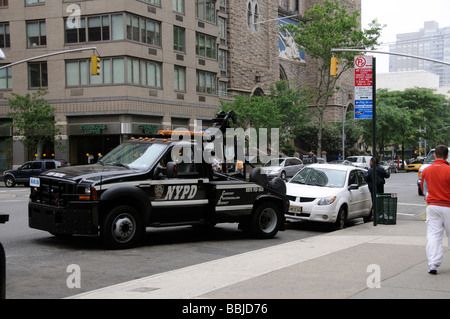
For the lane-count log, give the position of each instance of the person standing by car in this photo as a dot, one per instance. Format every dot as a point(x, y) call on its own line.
point(313, 157)
point(435, 186)
point(381, 173)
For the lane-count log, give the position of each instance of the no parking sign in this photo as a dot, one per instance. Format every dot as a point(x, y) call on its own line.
point(363, 87)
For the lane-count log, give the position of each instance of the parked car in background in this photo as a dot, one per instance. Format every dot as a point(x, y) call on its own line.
point(342, 162)
point(308, 160)
point(414, 166)
point(360, 161)
point(427, 162)
point(30, 169)
point(389, 166)
point(284, 167)
point(329, 193)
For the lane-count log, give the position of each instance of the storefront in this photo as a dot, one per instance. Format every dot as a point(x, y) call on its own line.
point(94, 136)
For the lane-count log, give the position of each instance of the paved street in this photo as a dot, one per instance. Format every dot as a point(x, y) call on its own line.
point(37, 263)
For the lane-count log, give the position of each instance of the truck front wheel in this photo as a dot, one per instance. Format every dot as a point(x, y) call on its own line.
point(265, 221)
point(122, 228)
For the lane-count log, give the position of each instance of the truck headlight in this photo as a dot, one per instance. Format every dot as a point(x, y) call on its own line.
point(90, 194)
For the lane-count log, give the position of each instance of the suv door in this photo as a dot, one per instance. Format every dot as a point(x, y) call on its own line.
point(24, 172)
point(37, 167)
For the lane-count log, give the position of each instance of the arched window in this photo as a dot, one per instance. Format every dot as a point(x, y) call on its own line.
point(252, 15)
point(256, 17)
point(249, 15)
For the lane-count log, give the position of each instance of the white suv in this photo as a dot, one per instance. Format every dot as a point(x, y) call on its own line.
point(360, 161)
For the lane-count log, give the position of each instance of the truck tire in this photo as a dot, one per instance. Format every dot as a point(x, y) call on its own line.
point(265, 221)
point(122, 228)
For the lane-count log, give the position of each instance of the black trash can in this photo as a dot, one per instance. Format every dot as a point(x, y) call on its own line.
point(386, 213)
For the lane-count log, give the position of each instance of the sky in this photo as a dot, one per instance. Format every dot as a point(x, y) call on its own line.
point(402, 16)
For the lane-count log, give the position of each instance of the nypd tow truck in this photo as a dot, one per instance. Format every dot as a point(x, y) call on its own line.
point(141, 183)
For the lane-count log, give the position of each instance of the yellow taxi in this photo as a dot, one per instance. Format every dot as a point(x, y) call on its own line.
point(414, 166)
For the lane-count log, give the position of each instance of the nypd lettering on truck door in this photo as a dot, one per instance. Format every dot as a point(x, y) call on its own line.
point(176, 192)
point(166, 193)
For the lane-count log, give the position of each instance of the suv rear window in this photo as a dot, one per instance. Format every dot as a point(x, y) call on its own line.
point(50, 165)
point(36, 165)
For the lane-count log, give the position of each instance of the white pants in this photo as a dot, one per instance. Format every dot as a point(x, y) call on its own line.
point(438, 219)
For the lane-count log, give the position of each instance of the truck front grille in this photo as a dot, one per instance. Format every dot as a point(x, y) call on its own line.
point(53, 192)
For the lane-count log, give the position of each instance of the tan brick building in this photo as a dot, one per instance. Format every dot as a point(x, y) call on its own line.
point(164, 64)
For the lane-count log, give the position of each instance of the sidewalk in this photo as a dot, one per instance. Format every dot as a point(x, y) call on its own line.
point(343, 264)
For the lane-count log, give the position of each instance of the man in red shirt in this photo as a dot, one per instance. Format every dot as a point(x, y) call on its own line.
point(436, 188)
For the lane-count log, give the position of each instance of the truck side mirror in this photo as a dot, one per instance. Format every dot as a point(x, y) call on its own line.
point(172, 170)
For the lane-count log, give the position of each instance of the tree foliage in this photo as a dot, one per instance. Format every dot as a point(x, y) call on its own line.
point(326, 27)
point(404, 118)
point(33, 120)
point(285, 108)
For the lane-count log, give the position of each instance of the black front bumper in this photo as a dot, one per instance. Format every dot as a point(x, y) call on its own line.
point(79, 218)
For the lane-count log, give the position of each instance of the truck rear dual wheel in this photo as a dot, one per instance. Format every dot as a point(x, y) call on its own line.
point(122, 228)
point(266, 221)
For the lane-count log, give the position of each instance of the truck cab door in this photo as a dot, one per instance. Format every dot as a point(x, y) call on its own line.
point(182, 195)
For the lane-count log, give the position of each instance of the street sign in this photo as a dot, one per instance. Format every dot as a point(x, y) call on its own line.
point(363, 87)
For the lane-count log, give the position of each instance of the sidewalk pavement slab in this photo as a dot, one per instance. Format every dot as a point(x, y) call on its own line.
point(345, 264)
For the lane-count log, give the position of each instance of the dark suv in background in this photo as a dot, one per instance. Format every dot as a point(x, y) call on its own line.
point(29, 169)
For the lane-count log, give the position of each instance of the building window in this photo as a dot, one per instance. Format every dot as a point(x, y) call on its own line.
point(206, 82)
point(37, 75)
point(179, 78)
point(222, 60)
point(221, 22)
point(178, 38)
point(5, 78)
point(252, 15)
point(144, 30)
point(144, 72)
point(205, 45)
point(3, 3)
point(75, 35)
point(222, 89)
point(28, 2)
point(4, 35)
point(178, 6)
point(98, 28)
point(206, 10)
point(112, 70)
point(36, 33)
point(155, 2)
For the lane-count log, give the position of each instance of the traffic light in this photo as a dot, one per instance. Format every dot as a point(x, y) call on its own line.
point(95, 65)
point(334, 66)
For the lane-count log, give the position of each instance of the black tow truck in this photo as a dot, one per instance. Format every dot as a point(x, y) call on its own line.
point(154, 182)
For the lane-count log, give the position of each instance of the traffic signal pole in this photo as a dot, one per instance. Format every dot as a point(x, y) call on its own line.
point(47, 55)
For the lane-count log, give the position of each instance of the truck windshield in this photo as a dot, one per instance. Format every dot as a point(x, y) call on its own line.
point(134, 155)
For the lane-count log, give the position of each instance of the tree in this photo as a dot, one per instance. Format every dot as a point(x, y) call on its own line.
point(285, 108)
point(406, 117)
point(33, 120)
point(326, 27)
